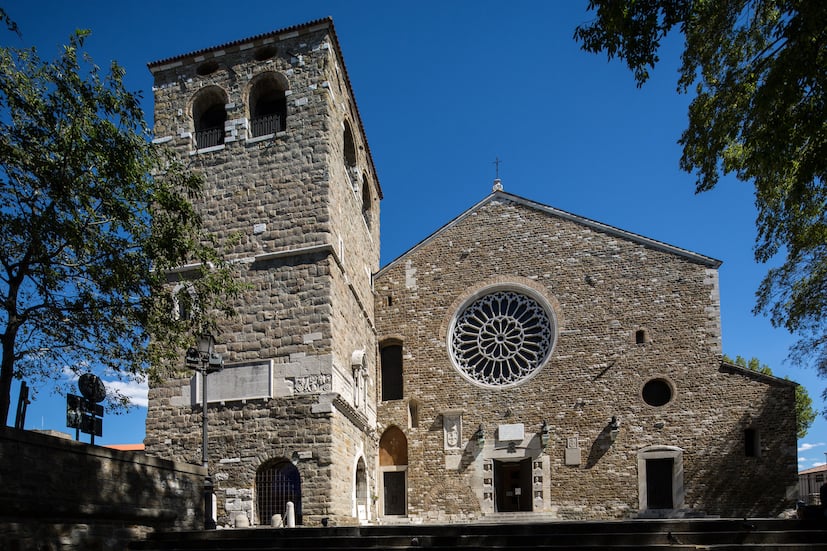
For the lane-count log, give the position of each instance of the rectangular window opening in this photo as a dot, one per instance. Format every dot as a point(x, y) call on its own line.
point(752, 447)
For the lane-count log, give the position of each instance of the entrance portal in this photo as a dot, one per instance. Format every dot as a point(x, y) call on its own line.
point(659, 483)
point(393, 483)
point(393, 466)
point(512, 485)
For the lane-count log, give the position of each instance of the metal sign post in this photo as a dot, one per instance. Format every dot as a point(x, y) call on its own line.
point(84, 414)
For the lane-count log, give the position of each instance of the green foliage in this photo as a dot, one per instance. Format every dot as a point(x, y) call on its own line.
point(93, 218)
point(804, 412)
point(759, 71)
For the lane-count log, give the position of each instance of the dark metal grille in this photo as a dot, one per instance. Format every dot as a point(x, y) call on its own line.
point(277, 484)
point(209, 137)
point(268, 124)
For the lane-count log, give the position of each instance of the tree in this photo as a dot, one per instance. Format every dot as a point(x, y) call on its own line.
point(759, 70)
point(804, 412)
point(93, 218)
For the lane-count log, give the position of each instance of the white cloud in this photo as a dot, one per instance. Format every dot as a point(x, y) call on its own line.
point(806, 447)
point(137, 392)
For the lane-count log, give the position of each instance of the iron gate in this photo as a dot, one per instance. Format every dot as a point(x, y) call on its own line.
point(276, 484)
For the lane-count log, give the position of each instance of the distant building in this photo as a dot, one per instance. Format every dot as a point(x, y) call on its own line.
point(520, 359)
point(127, 447)
point(809, 484)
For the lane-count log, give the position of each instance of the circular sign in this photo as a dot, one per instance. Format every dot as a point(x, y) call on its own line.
point(91, 387)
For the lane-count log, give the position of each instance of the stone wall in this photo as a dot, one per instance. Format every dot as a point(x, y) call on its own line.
point(603, 287)
point(59, 494)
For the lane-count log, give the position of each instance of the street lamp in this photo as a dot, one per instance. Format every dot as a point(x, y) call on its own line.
point(203, 359)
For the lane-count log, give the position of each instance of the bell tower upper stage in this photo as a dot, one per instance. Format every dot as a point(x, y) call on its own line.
point(271, 123)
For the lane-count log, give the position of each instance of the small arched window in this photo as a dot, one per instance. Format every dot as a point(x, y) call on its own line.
point(268, 105)
point(184, 302)
point(641, 336)
point(209, 115)
point(350, 147)
point(361, 491)
point(350, 158)
point(367, 201)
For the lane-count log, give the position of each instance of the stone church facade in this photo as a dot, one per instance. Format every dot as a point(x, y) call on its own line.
point(520, 359)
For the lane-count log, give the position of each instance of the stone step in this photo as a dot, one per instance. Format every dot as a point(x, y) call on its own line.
point(719, 535)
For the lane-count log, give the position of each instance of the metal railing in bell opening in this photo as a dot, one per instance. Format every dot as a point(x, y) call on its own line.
point(209, 137)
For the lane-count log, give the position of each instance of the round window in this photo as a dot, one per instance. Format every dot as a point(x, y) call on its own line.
point(501, 338)
point(657, 392)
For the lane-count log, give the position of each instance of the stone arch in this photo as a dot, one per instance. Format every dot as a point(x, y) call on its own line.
point(450, 493)
point(267, 104)
point(209, 114)
point(278, 482)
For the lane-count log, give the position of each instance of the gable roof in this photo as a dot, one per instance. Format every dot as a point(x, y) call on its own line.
point(551, 211)
point(818, 469)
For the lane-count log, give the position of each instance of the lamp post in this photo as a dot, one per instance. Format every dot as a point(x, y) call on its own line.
point(204, 360)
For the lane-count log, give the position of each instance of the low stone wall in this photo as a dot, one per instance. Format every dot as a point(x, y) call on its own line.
point(59, 494)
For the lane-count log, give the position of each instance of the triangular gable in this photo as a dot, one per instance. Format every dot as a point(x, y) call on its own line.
point(551, 211)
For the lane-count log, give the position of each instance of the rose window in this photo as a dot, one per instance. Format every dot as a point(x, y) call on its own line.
point(501, 338)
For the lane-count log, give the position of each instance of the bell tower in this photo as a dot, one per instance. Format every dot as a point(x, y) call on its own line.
point(292, 198)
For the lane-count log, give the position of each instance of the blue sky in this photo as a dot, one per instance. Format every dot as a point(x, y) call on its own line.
point(445, 88)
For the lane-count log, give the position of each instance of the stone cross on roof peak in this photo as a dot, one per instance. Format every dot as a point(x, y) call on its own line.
point(498, 184)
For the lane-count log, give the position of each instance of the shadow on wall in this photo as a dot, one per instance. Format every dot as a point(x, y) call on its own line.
point(599, 447)
point(58, 487)
point(754, 472)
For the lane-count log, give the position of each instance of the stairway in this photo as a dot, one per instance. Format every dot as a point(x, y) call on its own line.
point(695, 534)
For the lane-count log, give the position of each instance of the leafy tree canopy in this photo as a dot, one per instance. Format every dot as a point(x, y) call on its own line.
point(804, 412)
point(758, 69)
point(93, 219)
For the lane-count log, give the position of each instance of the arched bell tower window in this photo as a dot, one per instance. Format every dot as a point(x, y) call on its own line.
point(367, 201)
point(350, 157)
point(209, 115)
point(268, 105)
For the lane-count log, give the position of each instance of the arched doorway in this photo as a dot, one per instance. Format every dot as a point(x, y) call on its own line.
point(360, 492)
point(278, 482)
point(393, 467)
